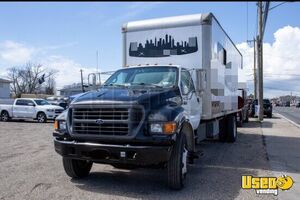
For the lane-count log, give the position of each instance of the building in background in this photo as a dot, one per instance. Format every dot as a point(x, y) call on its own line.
point(4, 88)
point(69, 90)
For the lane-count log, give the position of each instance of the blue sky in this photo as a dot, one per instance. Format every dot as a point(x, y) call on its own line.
point(77, 30)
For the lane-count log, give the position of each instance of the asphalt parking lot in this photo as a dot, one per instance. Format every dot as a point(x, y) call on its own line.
point(31, 169)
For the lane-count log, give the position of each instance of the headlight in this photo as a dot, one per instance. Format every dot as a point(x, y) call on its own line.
point(60, 125)
point(163, 128)
point(156, 128)
point(50, 110)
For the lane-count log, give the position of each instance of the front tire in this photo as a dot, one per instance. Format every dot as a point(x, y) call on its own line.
point(77, 168)
point(177, 165)
point(4, 116)
point(41, 117)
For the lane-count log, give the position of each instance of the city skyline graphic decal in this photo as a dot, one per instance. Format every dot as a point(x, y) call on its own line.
point(163, 47)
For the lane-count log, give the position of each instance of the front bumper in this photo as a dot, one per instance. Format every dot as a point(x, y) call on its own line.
point(52, 115)
point(110, 153)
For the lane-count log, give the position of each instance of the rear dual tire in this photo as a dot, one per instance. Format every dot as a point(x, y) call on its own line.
point(228, 129)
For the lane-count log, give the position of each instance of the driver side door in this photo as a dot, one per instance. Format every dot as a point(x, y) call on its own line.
point(191, 102)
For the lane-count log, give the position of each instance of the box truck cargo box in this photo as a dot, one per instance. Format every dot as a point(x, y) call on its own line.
point(195, 42)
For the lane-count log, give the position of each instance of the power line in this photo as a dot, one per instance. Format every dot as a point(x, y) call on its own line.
point(277, 5)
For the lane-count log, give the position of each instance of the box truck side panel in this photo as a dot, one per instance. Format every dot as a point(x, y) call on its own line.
point(165, 46)
point(224, 64)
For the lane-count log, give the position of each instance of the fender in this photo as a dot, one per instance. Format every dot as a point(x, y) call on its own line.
point(185, 127)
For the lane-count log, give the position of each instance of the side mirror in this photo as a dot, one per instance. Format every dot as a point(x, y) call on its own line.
point(31, 104)
point(201, 81)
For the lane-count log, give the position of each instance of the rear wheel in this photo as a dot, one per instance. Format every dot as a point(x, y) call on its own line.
point(231, 128)
point(77, 168)
point(177, 165)
point(240, 121)
point(222, 130)
point(41, 117)
point(247, 118)
point(4, 116)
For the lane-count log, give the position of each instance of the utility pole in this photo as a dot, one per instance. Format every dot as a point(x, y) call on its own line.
point(254, 66)
point(254, 69)
point(260, 62)
point(97, 60)
point(82, 87)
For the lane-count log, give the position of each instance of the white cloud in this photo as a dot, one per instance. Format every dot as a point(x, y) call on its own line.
point(281, 62)
point(68, 70)
point(133, 10)
point(15, 53)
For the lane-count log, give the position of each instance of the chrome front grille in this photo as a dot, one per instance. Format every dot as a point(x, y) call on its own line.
point(118, 121)
point(101, 113)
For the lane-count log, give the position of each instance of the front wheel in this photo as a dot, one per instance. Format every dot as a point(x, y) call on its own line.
point(177, 165)
point(77, 168)
point(4, 116)
point(41, 117)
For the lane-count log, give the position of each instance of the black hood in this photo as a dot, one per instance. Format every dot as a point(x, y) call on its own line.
point(140, 96)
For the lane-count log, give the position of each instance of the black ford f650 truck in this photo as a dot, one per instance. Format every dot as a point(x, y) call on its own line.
point(178, 86)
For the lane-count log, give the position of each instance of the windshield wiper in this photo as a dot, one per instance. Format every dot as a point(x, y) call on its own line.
point(117, 85)
point(148, 84)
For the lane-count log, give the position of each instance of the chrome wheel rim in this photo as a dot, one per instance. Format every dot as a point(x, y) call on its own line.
point(4, 117)
point(41, 118)
point(184, 161)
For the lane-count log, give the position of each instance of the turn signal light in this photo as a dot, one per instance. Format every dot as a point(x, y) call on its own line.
point(169, 127)
point(56, 125)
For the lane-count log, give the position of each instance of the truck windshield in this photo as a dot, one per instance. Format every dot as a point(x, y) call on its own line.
point(146, 76)
point(41, 102)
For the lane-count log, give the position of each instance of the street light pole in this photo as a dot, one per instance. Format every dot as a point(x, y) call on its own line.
point(82, 87)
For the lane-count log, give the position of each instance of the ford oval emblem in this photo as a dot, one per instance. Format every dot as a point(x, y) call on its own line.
point(99, 121)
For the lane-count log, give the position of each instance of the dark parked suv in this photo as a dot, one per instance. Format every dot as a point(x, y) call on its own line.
point(267, 108)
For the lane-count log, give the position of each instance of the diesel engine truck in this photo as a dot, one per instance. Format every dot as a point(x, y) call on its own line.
point(177, 86)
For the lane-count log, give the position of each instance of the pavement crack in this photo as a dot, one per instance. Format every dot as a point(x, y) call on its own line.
point(45, 185)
